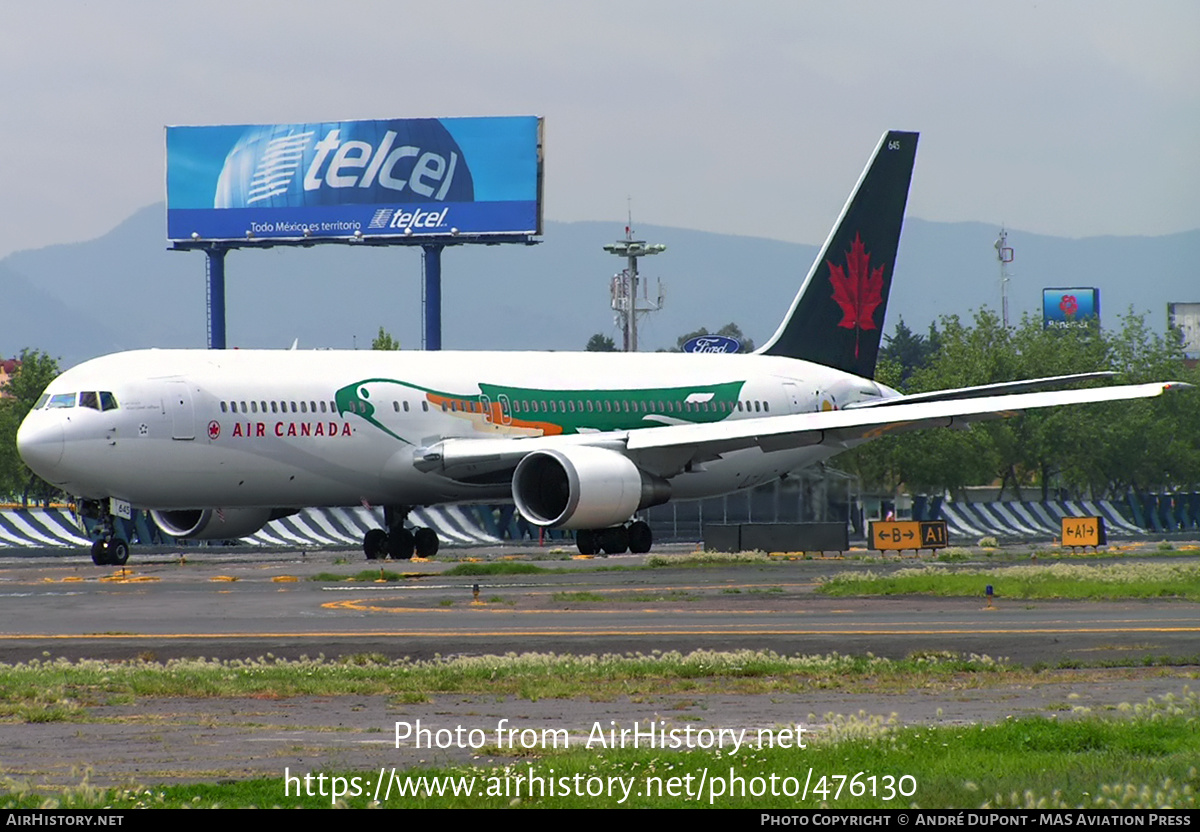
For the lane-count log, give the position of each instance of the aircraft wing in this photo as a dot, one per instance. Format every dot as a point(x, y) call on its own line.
point(999, 389)
point(661, 449)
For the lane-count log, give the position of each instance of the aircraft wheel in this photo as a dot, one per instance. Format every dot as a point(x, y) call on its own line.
point(375, 544)
point(640, 537)
point(400, 544)
point(118, 552)
point(426, 542)
point(614, 541)
point(100, 553)
point(585, 541)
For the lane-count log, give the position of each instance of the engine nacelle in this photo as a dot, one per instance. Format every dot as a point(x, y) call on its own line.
point(583, 488)
point(207, 524)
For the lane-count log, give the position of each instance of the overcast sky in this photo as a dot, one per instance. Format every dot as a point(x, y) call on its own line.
point(1067, 118)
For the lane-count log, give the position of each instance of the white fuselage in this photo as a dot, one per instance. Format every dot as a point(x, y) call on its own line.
point(258, 428)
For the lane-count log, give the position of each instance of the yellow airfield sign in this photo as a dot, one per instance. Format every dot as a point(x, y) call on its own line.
point(908, 534)
point(1083, 531)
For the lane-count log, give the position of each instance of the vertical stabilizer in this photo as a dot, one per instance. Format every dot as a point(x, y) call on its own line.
point(837, 316)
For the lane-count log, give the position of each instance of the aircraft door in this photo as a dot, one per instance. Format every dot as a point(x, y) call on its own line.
point(794, 400)
point(505, 409)
point(179, 405)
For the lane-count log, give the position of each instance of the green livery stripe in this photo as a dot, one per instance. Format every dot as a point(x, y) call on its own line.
point(561, 411)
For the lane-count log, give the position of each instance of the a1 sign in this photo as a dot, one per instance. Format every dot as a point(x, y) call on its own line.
point(1083, 531)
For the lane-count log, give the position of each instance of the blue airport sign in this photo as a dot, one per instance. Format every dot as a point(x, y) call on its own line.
point(711, 343)
point(341, 179)
point(1067, 308)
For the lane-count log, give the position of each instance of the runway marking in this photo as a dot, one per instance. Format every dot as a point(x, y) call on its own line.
point(441, 632)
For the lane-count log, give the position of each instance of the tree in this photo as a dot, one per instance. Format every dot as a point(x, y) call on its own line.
point(21, 393)
point(1097, 450)
point(384, 341)
point(911, 351)
point(600, 343)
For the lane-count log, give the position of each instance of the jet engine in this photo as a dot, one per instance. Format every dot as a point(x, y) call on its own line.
point(209, 524)
point(583, 488)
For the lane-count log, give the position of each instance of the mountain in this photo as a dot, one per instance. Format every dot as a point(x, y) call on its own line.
point(126, 290)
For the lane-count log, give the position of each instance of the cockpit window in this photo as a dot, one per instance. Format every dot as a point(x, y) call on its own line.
point(41, 401)
point(89, 399)
point(62, 400)
point(107, 401)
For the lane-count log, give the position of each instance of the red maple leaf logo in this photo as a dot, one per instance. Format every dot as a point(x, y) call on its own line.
point(214, 429)
point(860, 293)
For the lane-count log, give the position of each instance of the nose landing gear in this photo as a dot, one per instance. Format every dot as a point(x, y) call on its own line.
point(108, 549)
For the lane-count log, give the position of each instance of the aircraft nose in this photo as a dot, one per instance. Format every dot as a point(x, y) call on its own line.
point(41, 446)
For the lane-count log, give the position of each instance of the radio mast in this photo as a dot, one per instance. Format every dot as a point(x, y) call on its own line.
point(625, 301)
point(1004, 254)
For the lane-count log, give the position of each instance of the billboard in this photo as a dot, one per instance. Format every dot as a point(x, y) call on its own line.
point(1185, 317)
point(423, 177)
point(1068, 308)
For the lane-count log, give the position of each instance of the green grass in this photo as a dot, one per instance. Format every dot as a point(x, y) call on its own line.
point(367, 576)
point(63, 690)
point(579, 597)
point(1145, 756)
point(707, 559)
point(1060, 580)
point(504, 568)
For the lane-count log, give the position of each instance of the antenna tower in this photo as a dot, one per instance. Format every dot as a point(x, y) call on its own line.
point(625, 300)
point(1004, 254)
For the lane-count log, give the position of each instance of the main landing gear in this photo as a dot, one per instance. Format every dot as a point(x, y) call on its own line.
point(109, 549)
point(397, 542)
point(635, 537)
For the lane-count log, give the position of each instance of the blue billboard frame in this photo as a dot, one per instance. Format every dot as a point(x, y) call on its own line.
point(1070, 307)
point(380, 181)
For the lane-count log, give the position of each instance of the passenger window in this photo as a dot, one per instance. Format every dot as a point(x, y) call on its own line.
point(406, 407)
point(253, 407)
point(322, 407)
point(224, 407)
point(274, 407)
point(303, 407)
point(243, 407)
point(766, 407)
point(425, 406)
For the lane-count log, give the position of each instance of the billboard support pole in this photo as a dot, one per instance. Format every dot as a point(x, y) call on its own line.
point(432, 295)
point(216, 296)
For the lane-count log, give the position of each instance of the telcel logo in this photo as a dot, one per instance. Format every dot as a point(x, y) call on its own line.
point(354, 163)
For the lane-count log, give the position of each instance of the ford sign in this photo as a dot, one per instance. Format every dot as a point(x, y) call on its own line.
point(712, 343)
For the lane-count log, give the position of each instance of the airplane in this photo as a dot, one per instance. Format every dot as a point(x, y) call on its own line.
point(218, 443)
